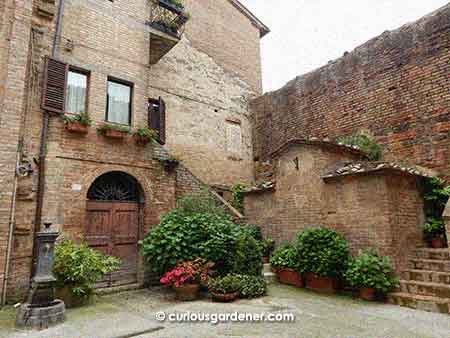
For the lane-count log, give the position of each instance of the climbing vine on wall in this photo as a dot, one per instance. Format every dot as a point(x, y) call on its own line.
point(365, 143)
point(238, 196)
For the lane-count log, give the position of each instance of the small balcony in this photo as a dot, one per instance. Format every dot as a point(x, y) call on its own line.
point(167, 21)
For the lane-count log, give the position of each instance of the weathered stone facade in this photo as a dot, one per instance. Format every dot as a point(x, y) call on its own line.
point(205, 91)
point(394, 86)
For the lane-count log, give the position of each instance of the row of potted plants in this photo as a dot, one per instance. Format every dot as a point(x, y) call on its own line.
point(80, 123)
point(320, 259)
point(189, 277)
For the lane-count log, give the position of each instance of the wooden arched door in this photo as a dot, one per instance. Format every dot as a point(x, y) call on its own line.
point(112, 223)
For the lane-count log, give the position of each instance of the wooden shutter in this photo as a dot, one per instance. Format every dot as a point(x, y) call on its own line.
point(55, 81)
point(162, 121)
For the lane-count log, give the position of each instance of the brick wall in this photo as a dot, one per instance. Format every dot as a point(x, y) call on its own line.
point(395, 86)
point(382, 211)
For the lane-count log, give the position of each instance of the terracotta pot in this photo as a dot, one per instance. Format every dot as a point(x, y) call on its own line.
point(224, 298)
point(116, 134)
point(71, 300)
point(140, 140)
point(76, 127)
point(367, 294)
point(187, 292)
point(290, 277)
point(438, 243)
point(321, 284)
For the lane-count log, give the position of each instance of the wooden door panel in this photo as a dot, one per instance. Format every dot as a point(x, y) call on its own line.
point(127, 274)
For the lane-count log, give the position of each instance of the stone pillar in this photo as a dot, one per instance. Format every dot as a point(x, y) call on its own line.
point(446, 216)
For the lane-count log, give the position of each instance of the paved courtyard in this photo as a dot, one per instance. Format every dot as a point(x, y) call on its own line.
point(133, 315)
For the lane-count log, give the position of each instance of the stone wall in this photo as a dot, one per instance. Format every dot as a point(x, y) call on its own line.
point(395, 86)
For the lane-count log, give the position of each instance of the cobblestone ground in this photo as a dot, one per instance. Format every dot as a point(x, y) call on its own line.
point(133, 314)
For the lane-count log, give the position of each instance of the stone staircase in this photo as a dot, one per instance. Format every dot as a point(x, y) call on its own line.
point(268, 275)
point(426, 285)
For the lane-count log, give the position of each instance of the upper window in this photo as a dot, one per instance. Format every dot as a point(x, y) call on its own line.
point(118, 107)
point(76, 95)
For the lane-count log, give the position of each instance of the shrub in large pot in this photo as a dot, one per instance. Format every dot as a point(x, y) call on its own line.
point(225, 289)
point(285, 262)
point(434, 233)
point(323, 255)
point(77, 269)
point(371, 273)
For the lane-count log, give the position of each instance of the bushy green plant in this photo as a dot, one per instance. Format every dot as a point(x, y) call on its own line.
point(80, 267)
point(436, 195)
point(254, 231)
point(365, 143)
point(146, 133)
point(252, 286)
point(238, 196)
point(82, 118)
point(177, 3)
point(322, 251)
point(183, 237)
point(369, 270)
point(286, 256)
point(202, 202)
point(248, 255)
point(268, 245)
point(101, 129)
point(227, 284)
point(434, 228)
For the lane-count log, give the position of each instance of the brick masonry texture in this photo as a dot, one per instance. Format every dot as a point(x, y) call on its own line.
point(202, 88)
point(381, 210)
point(395, 86)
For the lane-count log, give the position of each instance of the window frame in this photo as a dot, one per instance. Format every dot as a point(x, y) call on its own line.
point(130, 105)
point(82, 71)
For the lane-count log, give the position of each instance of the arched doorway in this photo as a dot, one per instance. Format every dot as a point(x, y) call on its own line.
point(112, 223)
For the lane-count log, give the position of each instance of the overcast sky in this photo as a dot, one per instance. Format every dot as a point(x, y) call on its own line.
point(306, 34)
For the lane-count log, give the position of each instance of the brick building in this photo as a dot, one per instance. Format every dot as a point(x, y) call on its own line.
point(133, 63)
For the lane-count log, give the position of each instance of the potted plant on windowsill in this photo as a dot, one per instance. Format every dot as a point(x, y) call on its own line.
point(285, 262)
point(144, 136)
point(434, 233)
point(224, 289)
point(112, 130)
point(323, 256)
point(371, 273)
point(77, 123)
point(77, 268)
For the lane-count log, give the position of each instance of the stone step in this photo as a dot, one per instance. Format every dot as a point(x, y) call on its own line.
point(425, 288)
point(418, 302)
point(431, 264)
point(267, 267)
point(270, 277)
point(428, 253)
point(427, 276)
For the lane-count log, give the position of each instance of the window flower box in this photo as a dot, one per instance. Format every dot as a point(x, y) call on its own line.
point(76, 127)
point(113, 131)
point(77, 123)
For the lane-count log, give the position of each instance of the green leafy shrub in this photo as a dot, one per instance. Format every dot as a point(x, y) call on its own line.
point(268, 245)
point(252, 286)
point(322, 251)
point(248, 255)
point(369, 270)
point(365, 143)
point(82, 118)
point(254, 231)
point(238, 196)
point(436, 195)
point(434, 228)
point(227, 284)
point(184, 236)
point(285, 256)
point(80, 267)
point(146, 133)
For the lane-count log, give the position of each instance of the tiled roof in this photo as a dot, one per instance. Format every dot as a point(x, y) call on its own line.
point(266, 186)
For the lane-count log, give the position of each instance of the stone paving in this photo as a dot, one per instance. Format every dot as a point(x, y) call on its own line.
point(133, 315)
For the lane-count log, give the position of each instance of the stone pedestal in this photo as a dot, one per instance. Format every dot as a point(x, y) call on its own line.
point(40, 318)
point(446, 216)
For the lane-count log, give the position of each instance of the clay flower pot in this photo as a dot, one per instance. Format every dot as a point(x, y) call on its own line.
point(290, 277)
point(140, 140)
point(438, 243)
point(367, 294)
point(76, 127)
point(321, 284)
point(224, 297)
point(115, 134)
point(187, 292)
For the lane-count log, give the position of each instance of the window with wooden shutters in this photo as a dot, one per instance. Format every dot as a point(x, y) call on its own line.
point(55, 80)
point(157, 118)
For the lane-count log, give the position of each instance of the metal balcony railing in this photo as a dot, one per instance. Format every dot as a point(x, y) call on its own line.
point(168, 16)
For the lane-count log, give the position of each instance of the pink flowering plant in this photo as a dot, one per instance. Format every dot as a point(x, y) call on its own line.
point(188, 272)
